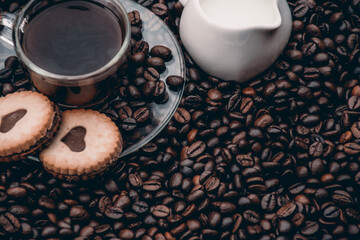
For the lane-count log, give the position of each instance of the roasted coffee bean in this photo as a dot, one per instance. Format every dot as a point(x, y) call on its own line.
point(284, 226)
point(134, 18)
point(214, 219)
point(149, 88)
point(298, 219)
point(142, 115)
point(140, 207)
point(193, 224)
point(195, 195)
point(316, 167)
point(49, 231)
point(160, 89)
point(298, 26)
point(114, 212)
point(164, 98)
point(174, 82)
point(245, 160)
point(352, 148)
point(214, 95)
point(309, 49)
point(227, 207)
point(151, 74)
point(212, 184)
point(313, 30)
point(251, 216)
point(128, 124)
point(151, 185)
point(268, 202)
point(310, 228)
point(263, 121)
point(182, 116)
point(46, 202)
point(135, 180)
point(300, 11)
point(331, 212)
point(162, 52)
point(138, 58)
point(311, 73)
point(316, 149)
point(140, 81)
point(26, 229)
point(234, 102)
point(159, 9)
point(78, 213)
point(18, 210)
point(102, 229)
point(354, 103)
point(5, 74)
point(305, 93)
point(126, 234)
point(297, 188)
point(161, 211)
point(246, 105)
point(341, 197)
point(179, 229)
point(9, 223)
point(7, 88)
point(196, 149)
point(294, 55)
point(11, 62)
point(355, 129)
point(17, 192)
point(134, 92)
point(176, 180)
point(146, 3)
point(193, 101)
point(125, 112)
point(287, 210)
point(321, 58)
point(141, 46)
point(136, 33)
point(310, 120)
point(157, 63)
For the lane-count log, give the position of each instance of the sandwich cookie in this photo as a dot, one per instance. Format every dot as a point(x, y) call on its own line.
point(28, 122)
point(87, 143)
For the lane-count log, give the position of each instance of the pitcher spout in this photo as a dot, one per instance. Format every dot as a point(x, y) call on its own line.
point(183, 2)
point(277, 19)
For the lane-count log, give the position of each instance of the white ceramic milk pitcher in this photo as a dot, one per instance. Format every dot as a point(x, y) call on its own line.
point(235, 39)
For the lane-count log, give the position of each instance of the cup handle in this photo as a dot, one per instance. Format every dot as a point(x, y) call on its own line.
point(6, 27)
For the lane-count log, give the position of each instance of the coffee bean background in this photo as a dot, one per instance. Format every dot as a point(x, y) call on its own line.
point(275, 158)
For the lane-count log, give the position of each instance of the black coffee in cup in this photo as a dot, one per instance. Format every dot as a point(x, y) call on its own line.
point(72, 37)
point(74, 51)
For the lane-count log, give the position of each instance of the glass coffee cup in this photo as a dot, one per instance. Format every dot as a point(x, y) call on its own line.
point(79, 61)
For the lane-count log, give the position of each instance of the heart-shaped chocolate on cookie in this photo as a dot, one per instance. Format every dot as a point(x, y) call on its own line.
point(87, 144)
point(9, 120)
point(75, 139)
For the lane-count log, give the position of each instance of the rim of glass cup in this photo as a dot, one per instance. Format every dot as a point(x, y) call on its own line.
point(21, 20)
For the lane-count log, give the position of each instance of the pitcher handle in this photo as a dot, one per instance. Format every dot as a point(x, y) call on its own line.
point(6, 27)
